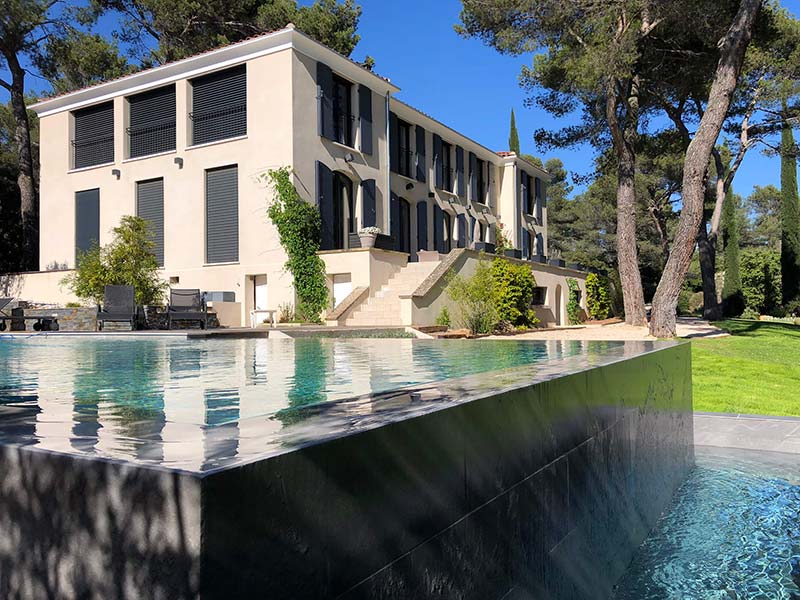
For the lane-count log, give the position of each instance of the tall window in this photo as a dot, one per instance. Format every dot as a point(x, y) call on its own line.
point(404, 148)
point(222, 215)
point(219, 105)
point(87, 220)
point(480, 177)
point(447, 167)
point(150, 207)
point(344, 209)
point(530, 201)
point(93, 141)
point(151, 127)
point(342, 111)
point(447, 234)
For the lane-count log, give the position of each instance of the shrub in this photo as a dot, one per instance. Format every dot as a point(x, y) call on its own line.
point(286, 313)
point(598, 297)
point(513, 285)
point(128, 260)
point(696, 302)
point(760, 270)
point(72, 305)
point(443, 318)
point(573, 304)
point(684, 300)
point(474, 297)
point(750, 313)
point(298, 224)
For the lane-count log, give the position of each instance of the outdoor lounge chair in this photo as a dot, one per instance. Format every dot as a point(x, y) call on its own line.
point(41, 322)
point(187, 305)
point(119, 306)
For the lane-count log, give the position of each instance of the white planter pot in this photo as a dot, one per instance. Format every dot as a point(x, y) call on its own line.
point(367, 240)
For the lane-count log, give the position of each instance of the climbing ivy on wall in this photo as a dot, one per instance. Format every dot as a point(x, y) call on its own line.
point(598, 297)
point(573, 305)
point(298, 223)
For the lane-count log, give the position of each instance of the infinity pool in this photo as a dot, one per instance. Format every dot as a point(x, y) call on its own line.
point(196, 404)
point(731, 533)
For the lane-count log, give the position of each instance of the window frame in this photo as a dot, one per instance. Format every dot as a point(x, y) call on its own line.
point(404, 150)
point(447, 166)
point(343, 131)
point(232, 110)
point(75, 143)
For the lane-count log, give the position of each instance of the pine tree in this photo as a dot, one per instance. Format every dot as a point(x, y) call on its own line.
point(732, 298)
point(513, 136)
point(790, 217)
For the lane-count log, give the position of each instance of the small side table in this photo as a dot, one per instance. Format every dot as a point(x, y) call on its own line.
point(257, 316)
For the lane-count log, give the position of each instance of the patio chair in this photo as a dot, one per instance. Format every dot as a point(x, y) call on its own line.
point(187, 305)
point(3, 314)
point(118, 306)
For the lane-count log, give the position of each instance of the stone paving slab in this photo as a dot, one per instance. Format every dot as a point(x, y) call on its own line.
point(748, 432)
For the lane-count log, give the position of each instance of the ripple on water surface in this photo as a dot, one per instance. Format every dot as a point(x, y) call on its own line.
point(731, 533)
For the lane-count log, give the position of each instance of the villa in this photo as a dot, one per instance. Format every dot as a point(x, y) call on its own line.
point(187, 146)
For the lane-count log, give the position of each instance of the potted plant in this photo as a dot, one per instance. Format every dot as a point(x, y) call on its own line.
point(367, 235)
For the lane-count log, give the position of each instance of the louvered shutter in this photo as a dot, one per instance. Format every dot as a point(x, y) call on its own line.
point(219, 105)
point(473, 178)
point(222, 215)
point(438, 228)
point(369, 215)
point(422, 225)
point(462, 231)
point(150, 207)
point(437, 161)
point(325, 202)
point(471, 230)
point(420, 155)
point(394, 220)
point(540, 249)
point(151, 126)
point(94, 135)
point(460, 171)
point(525, 243)
point(325, 101)
point(394, 144)
point(524, 194)
point(87, 220)
point(365, 118)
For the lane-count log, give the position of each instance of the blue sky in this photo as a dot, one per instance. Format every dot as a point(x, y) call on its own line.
point(469, 86)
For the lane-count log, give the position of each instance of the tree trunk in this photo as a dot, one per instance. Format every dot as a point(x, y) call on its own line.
point(695, 164)
point(707, 251)
point(29, 206)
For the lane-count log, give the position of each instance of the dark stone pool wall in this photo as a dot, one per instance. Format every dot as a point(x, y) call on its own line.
point(542, 492)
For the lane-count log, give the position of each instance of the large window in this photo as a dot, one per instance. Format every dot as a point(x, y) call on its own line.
point(404, 148)
point(219, 105)
point(222, 215)
point(93, 141)
point(150, 207)
point(447, 167)
point(480, 178)
point(539, 296)
point(344, 209)
point(151, 124)
point(447, 233)
point(87, 220)
point(342, 111)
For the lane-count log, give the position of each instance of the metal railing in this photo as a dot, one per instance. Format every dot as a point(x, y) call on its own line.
point(219, 124)
point(153, 138)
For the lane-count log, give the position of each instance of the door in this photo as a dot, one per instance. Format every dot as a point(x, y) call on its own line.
point(260, 296)
point(405, 227)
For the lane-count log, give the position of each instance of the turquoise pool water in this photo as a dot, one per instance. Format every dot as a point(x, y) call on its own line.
point(731, 533)
point(194, 404)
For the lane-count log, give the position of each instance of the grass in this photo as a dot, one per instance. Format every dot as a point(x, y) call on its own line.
point(754, 371)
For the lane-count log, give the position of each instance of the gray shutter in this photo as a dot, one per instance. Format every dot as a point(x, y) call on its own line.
point(94, 135)
point(326, 206)
point(422, 225)
point(471, 230)
point(437, 161)
point(473, 178)
point(222, 215)
point(219, 105)
point(394, 143)
point(420, 151)
point(150, 207)
point(524, 193)
point(365, 118)
point(525, 242)
point(540, 199)
point(325, 101)
point(394, 220)
point(462, 231)
point(87, 220)
point(438, 228)
point(151, 122)
point(540, 249)
point(369, 215)
point(460, 171)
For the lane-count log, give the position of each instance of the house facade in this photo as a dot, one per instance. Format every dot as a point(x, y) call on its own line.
point(188, 145)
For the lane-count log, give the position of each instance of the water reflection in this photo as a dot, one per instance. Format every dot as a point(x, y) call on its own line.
point(199, 404)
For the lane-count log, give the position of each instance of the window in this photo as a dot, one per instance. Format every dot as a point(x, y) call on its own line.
point(87, 220)
point(342, 111)
point(219, 105)
point(530, 199)
point(447, 233)
point(344, 209)
point(151, 122)
point(150, 207)
point(482, 232)
point(93, 141)
point(539, 296)
point(480, 178)
point(404, 148)
point(447, 167)
point(222, 215)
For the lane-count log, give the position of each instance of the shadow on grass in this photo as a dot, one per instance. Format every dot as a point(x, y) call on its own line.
point(745, 327)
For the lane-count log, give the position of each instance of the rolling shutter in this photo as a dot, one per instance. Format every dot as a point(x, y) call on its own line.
point(473, 178)
point(150, 207)
point(151, 127)
point(420, 155)
point(438, 228)
point(219, 105)
point(394, 144)
point(325, 101)
point(365, 118)
point(460, 171)
point(368, 211)
point(94, 135)
point(87, 220)
point(437, 161)
point(222, 215)
point(422, 225)
point(325, 202)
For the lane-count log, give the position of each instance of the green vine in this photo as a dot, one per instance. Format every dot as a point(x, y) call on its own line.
point(573, 305)
point(298, 223)
point(598, 297)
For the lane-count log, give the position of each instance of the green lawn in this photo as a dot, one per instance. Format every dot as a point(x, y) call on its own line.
point(755, 371)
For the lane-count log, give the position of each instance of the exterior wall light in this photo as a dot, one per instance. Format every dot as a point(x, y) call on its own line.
point(409, 186)
point(116, 173)
point(178, 161)
point(348, 158)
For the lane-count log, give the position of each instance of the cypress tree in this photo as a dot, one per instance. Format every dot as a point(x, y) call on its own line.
point(513, 136)
point(732, 297)
point(790, 217)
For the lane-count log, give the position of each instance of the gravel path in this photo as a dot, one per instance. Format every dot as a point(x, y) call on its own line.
point(687, 328)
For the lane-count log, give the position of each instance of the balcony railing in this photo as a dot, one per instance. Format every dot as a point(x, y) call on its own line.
point(156, 137)
point(93, 151)
point(219, 124)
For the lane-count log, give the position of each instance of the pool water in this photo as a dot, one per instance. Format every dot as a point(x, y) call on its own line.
point(731, 533)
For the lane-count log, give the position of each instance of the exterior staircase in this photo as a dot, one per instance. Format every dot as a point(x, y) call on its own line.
point(382, 308)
